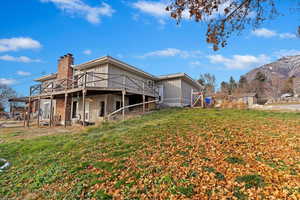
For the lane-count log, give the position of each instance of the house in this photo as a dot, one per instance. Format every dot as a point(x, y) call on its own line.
point(246, 98)
point(18, 107)
point(100, 88)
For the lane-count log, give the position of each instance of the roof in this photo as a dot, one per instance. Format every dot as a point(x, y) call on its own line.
point(116, 62)
point(180, 75)
point(47, 77)
point(125, 66)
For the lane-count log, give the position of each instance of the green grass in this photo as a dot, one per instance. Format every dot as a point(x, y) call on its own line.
point(165, 153)
point(2, 163)
point(235, 160)
point(251, 180)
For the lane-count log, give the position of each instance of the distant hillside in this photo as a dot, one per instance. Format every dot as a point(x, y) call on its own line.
point(283, 68)
point(277, 73)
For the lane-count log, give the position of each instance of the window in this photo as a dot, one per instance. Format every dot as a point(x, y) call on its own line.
point(46, 114)
point(150, 84)
point(74, 109)
point(102, 109)
point(118, 105)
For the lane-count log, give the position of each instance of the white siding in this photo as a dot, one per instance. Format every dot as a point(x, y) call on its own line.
point(186, 92)
point(177, 92)
point(103, 69)
point(93, 106)
point(134, 83)
point(172, 92)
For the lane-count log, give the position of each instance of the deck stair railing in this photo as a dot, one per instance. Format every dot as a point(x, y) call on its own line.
point(129, 106)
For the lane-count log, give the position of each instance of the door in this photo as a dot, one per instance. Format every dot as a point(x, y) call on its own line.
point(102, 109)
point(161, 93)
point(46, 114)
point(74, 109)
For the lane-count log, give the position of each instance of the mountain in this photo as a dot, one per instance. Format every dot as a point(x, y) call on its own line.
point(277, 76)
point(283, 68)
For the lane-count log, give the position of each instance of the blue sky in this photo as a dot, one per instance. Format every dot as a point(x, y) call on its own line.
point(35, 33)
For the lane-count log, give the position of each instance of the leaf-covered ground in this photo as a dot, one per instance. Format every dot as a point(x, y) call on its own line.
point(170, 154)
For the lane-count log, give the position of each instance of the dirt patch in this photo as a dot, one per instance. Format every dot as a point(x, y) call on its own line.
point(21, 133)
point(279, 107)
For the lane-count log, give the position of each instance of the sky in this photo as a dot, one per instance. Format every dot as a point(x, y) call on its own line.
point(35, 33)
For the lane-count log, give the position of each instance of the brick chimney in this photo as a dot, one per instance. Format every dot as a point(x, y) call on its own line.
point(65, 69)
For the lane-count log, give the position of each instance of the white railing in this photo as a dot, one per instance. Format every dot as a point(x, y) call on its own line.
point(130, 106)
point(93, 79)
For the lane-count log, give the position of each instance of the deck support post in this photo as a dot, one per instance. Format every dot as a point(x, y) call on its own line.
point(192, 102)
point(51, 111)
point(123, 103)
point(39, 112)
point(144, 97)
point(24, 115)
point(11, 109)
point(28, 112)
point(65, 109)
point(83, 107)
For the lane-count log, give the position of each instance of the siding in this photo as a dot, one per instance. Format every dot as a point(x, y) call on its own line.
point(177, 92)
point(93, 105)
point(96, 77)
point(134, 83)
point(172, 92)
point(186, 92)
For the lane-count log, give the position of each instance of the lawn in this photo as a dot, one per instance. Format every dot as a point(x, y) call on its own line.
point(170, 154)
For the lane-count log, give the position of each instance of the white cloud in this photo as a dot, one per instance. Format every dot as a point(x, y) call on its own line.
point(23, 73)
point(286, 52)
point(195, 63)
point(287, 35)
point(87, 52)
point(7, 81)
point(15, 44)
point(23, 59)
point(78, 7)
point(267, 33)
point(157, 9)
point(171, 52)
point(263, 32)
point(239, 61)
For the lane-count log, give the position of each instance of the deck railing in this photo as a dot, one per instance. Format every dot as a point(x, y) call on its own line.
point(96, 80)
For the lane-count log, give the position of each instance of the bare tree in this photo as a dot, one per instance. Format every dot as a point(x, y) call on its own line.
point(288, 85)
point(223, 17)
point(6, 93)
point(224, 88)
point(209, 82)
